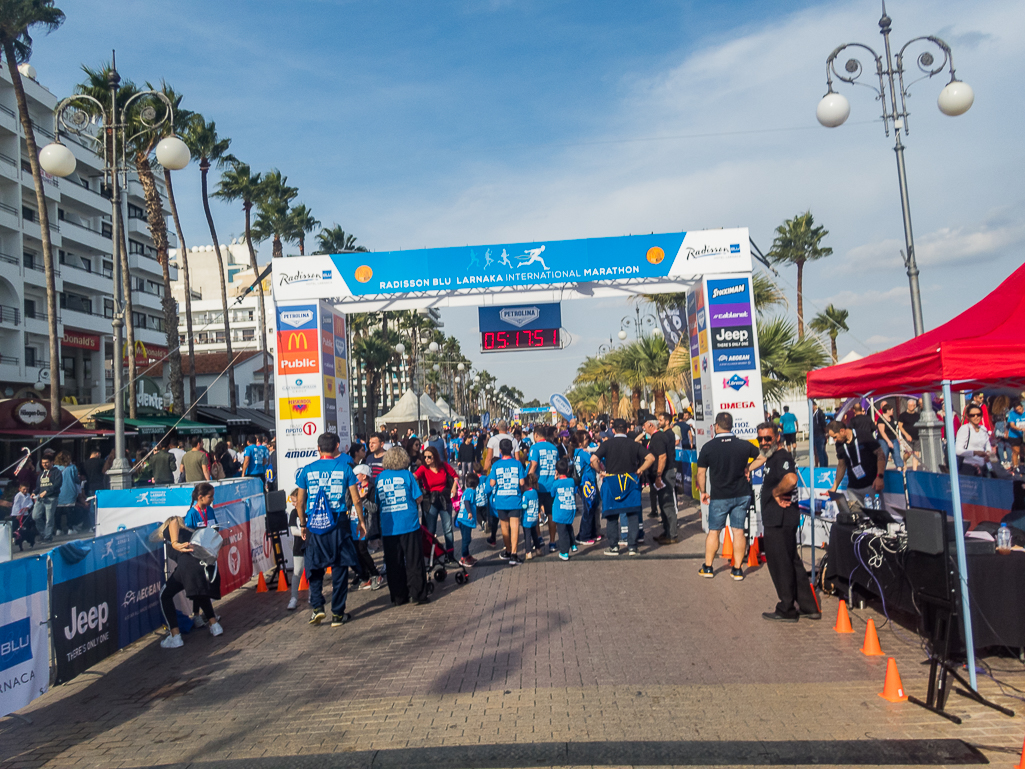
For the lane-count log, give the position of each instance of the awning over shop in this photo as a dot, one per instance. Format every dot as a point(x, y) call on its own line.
point(158, 425)
point(246, 419)
point(23, 433)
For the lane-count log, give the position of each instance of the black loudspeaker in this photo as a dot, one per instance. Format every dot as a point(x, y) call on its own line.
point(277, 517)
point(926, 531)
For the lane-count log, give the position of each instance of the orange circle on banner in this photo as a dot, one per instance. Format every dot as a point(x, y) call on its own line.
point(364, 273)
point(656, 255)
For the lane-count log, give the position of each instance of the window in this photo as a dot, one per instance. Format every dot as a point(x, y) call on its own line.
point(134, 212)
point(60, 214)
point(28, 214)
point(62, 257)
point(107, 230)
point(138, 284)
point(108, 269)
point(135, 247)
point(30, 308)
point(68, 365)
point(219, 337)
point(76, 303)
point(153, 287)
point(139, 319)
point(29, 260)
point(30, 356)
point(155, 323)
point(87, 265)
point(87, 368)
point(108, 308)
point(248, 334)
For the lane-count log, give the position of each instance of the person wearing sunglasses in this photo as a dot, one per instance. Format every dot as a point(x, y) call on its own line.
point(973, 442)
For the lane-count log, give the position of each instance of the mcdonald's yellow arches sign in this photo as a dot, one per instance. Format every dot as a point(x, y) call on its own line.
point(297, 352)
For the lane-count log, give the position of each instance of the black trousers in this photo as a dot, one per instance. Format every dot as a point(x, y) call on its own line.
point(667, 504)
point(171, 588)
point(367, 567)
point(404, 557)
point(786, 568)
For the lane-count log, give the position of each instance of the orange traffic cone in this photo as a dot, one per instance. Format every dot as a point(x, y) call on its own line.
point(727, 545)
point(843, 619)
point(893, 689)
point(1021, 763)
point(261, 584)
point(303, 584)
point(282, 582)
point(871, 646)
point(752, 554)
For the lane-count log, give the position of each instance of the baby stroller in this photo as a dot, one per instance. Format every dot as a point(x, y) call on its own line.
point(433, 549)
point(25, 531)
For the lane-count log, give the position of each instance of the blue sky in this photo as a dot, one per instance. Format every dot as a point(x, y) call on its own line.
point(438, 124)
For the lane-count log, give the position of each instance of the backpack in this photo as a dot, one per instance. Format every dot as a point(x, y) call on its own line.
point(574, 472)
point(216, 471)
point(320, 517)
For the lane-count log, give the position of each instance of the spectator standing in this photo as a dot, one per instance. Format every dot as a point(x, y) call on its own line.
point(624, 461)
point(178, 453)
point(48, 487)
point(298, 551)
point(396, 493)
point(862, 462)
point(662, 445)
point(326, 529)
point(436, 479)
point(907, 423)
point(819, 423)
point(196, 464)
point(254, 459)
point(438, 443)
point(368, 577)
point(564, 508)
point(466, 518)
point(588, 480)
point(730, 461)
point(788, 424)
point(492, 452)
point(979, 400)
point(862, 424)
point(466, 455)
point(1016, 431)
point(163, 466)
point(889, 440)
point(94, 476)
point(780, 518)
point(67, 499)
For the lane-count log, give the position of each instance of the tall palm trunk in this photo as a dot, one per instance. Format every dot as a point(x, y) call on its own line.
point(129, 310)
point(158, 232)
point(184, 252)
point(800, 299)
point(635, 401)
point(276, 250)
point(302, 243)
point(204, 168)
point(832, 346)
point(660, 400)
point(44, 236)
point(261, 310)
point(614, 406)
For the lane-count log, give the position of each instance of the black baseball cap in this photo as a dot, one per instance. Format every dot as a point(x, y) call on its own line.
point(620, 425)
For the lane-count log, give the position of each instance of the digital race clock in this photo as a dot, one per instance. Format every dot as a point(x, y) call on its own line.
point(532, 339)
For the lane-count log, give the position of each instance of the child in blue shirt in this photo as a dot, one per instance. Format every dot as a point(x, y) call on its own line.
point(531, 507)
point(466, 518)
point(564, 508)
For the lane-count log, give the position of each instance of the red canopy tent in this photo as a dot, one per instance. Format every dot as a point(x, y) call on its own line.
point(984, 345)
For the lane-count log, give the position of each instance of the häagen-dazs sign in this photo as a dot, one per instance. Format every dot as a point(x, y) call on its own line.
point(30, 413)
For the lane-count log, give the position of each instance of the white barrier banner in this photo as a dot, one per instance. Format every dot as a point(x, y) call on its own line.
point(24, 647)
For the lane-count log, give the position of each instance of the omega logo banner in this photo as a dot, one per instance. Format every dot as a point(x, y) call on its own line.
point(470, 269)
point(24, 649)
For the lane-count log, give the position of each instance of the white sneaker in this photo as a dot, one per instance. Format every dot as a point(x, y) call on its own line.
point(198, 620)
point(216, 629)
point(293, 602)
point(172, 642)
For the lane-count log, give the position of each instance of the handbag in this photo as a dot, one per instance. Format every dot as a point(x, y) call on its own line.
point(206, 545)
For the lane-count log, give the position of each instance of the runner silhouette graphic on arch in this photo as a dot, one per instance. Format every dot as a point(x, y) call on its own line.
point(532, 256)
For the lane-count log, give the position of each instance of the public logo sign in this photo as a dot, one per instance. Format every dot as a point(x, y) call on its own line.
point(519, 316)
point(299, 408)
point(737, 382)
point(562, 405)
point(297, 352)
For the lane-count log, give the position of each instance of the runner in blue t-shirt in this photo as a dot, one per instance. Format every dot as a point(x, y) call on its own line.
point(254, 459)
point(325, 528)
point(396, 493)
point(506, 481)
point(466, 518)
point(788, 426)
point(531, 508)
point(543, 456)
point(564, 508)
point(587, 488)
point(1015, 431)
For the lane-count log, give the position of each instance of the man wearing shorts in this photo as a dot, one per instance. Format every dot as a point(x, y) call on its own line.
point(728, 458)
point(788, 424)
point(1015, 429)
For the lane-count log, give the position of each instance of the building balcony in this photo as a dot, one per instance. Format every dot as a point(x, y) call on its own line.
point(51, 185)
point(85, 235)
point(10, 168)
point(85, 196)
point(9, 215)
point(93, 280)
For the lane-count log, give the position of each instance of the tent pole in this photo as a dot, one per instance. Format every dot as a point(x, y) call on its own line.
point(811, 482)
point(962, 566)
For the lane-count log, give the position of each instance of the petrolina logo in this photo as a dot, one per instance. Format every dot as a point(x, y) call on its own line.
point(296, 318)
point(519, 316)
point(737, 382)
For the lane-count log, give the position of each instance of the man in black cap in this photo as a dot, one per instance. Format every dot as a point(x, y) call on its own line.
point(624, 461)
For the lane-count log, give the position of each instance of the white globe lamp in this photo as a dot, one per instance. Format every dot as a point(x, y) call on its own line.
point(621, 334)
point(433, 347)
point(833, 110)
point(173, 154)
point(58, 160)
point(400, 348)
point(956, 98)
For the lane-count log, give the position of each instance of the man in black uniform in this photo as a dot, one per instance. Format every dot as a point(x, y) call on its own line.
point(780, 519)
point(861, 460)
point(625, 460)
point(662, 477)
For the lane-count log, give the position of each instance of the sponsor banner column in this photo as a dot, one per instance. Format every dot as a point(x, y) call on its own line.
point(697, 321)
point(299, 386)
point(342, 380)
point(736, 382)
point(24, 648)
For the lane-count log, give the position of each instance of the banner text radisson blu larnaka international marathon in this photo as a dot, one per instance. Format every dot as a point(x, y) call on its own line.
point(476, 268)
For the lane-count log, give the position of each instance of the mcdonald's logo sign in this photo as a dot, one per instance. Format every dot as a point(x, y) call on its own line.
point(297, 352)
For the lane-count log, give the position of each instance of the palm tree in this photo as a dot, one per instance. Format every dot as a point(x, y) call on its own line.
point(786, 359)
point(300, 222)
point(209, 148)
point(272, 219)
point(375, 353)
point(798, 241)
point(239, 183)
point(336, 241)
point(766, 293)
point(97, 86)
point(182, 118)
point(646, 364)
point(601, 370)
point(831, 321)
point(17, 19)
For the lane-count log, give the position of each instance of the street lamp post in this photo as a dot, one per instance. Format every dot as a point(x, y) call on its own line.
point(140, 114)
point(955, 99)
point(637, 323)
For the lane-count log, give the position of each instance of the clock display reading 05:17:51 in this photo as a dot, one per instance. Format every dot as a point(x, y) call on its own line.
point(534, 339)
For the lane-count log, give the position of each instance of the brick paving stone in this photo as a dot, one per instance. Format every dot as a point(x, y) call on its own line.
point(595, 650)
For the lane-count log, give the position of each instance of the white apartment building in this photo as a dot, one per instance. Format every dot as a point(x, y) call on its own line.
point(80, 221)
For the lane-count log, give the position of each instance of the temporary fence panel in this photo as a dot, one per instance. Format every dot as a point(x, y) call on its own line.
point(106, 594)
point(24, 649)
point(983, 499)
point(6, 541)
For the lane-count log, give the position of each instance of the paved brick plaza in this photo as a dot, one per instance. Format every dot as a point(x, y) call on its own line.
point(600, 661)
